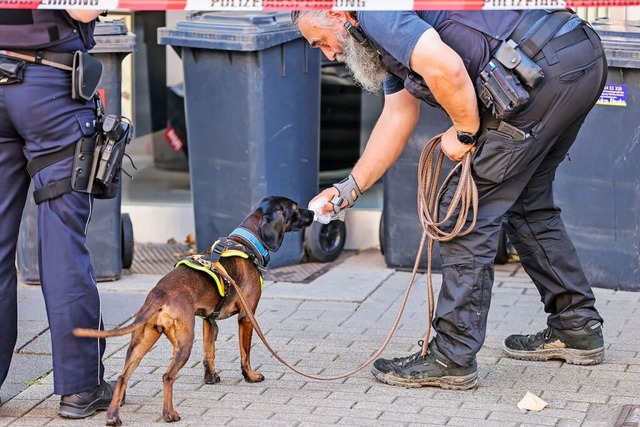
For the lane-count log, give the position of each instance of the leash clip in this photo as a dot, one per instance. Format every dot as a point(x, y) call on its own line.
point(218, 247)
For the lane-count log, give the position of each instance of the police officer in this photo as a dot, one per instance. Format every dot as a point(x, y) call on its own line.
point(39, 118)
point(438, 57)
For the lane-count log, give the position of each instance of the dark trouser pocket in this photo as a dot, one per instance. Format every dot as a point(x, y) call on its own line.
point(498, 157)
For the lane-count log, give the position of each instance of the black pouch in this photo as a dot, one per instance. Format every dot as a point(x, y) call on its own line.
point(501, 91)
point(510, 55)
point(86, 75)
point(11, 71)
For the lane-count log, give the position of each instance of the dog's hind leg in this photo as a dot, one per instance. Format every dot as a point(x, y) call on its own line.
point(209, 332)
point(141, 342)
point(181, 335)
point(245, 330)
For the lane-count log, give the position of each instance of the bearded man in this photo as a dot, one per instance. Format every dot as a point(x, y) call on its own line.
point(448, 59)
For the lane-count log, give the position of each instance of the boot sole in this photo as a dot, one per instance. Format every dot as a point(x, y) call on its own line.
point(72, 411)
point(77, 412)
point(570, 355)
point(449, 383)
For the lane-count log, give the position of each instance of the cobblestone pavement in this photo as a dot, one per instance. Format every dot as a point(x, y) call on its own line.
point(330, 326)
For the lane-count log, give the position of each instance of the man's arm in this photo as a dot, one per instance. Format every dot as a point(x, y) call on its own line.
point(389, 136)
point(83, 15)
point(445, 74)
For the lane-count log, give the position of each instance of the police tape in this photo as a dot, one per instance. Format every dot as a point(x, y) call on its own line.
point(276, 5)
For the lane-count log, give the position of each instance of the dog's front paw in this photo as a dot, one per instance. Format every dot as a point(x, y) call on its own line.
point(211, 377)
point(170, 416)
point(113, 421)
point(253, 377)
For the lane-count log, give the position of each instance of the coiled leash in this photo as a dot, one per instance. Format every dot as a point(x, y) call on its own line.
point(466, 196)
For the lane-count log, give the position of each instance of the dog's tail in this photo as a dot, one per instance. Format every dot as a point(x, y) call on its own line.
point(143, 315)
point(97, 333)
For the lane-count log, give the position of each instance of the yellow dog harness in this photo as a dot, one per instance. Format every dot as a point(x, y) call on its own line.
point(208, 262)
point(203, 262)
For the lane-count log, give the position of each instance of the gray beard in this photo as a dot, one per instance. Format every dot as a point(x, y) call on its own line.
point(364, 63)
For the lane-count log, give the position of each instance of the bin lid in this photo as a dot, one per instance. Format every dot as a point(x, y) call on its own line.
point(112, 36)
point(242, 31)
point(621, 41)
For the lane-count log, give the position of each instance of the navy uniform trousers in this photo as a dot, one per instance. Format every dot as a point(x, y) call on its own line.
point(38, 117)
point(514, 177)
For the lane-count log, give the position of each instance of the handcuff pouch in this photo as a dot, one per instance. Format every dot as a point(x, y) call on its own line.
point(510, 55)
point(85, 76)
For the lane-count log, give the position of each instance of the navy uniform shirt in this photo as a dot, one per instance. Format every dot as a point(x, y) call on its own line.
point(398, 32)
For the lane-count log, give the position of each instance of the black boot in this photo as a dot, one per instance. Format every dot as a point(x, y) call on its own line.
point(435, 369)
point(85, 404)
point(583, 346)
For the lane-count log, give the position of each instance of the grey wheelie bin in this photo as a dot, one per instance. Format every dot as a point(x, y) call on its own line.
point(401, 229)
point(252, 87)
point(110, 234)
point(599, 188)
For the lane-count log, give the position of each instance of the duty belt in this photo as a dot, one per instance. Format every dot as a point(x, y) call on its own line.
point(60, 60)
point(533, 43)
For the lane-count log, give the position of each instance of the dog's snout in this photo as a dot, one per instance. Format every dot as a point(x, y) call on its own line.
point(302, 219)
point(306, 215)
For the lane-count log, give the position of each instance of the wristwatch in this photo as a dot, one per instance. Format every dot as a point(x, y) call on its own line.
point(467, 138)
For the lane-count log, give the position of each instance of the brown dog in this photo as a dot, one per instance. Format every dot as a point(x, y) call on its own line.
point(184, 292)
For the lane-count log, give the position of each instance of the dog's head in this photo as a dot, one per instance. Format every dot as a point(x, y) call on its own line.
point(279, 215)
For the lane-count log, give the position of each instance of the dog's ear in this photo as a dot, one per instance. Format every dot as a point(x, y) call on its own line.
point(272, 229)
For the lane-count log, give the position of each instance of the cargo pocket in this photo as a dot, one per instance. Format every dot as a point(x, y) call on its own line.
point(480, 298)
point(466, 298)
point(519, 235)
point(498, 157)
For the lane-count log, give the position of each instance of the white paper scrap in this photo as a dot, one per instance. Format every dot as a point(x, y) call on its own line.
point(531, 402)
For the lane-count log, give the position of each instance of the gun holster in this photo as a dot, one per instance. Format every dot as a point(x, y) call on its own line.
point(97, 160)
point(85, 76)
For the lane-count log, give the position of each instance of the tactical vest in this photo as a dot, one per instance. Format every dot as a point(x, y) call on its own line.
point(473, 35)
point(42, 29)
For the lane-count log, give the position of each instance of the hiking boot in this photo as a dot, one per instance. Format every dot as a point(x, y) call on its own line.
point(435, 369)
point(85, 404)
point(583, 346)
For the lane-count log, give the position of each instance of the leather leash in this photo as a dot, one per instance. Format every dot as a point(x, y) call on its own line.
point(464, 198)
point(466, 195)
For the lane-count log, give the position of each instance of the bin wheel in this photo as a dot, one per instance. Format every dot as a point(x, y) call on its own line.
point(381, 233)
point(127, 240)
point(502, 257)
point(324, 242)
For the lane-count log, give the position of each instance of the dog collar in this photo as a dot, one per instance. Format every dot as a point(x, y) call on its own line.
point(254, 242)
